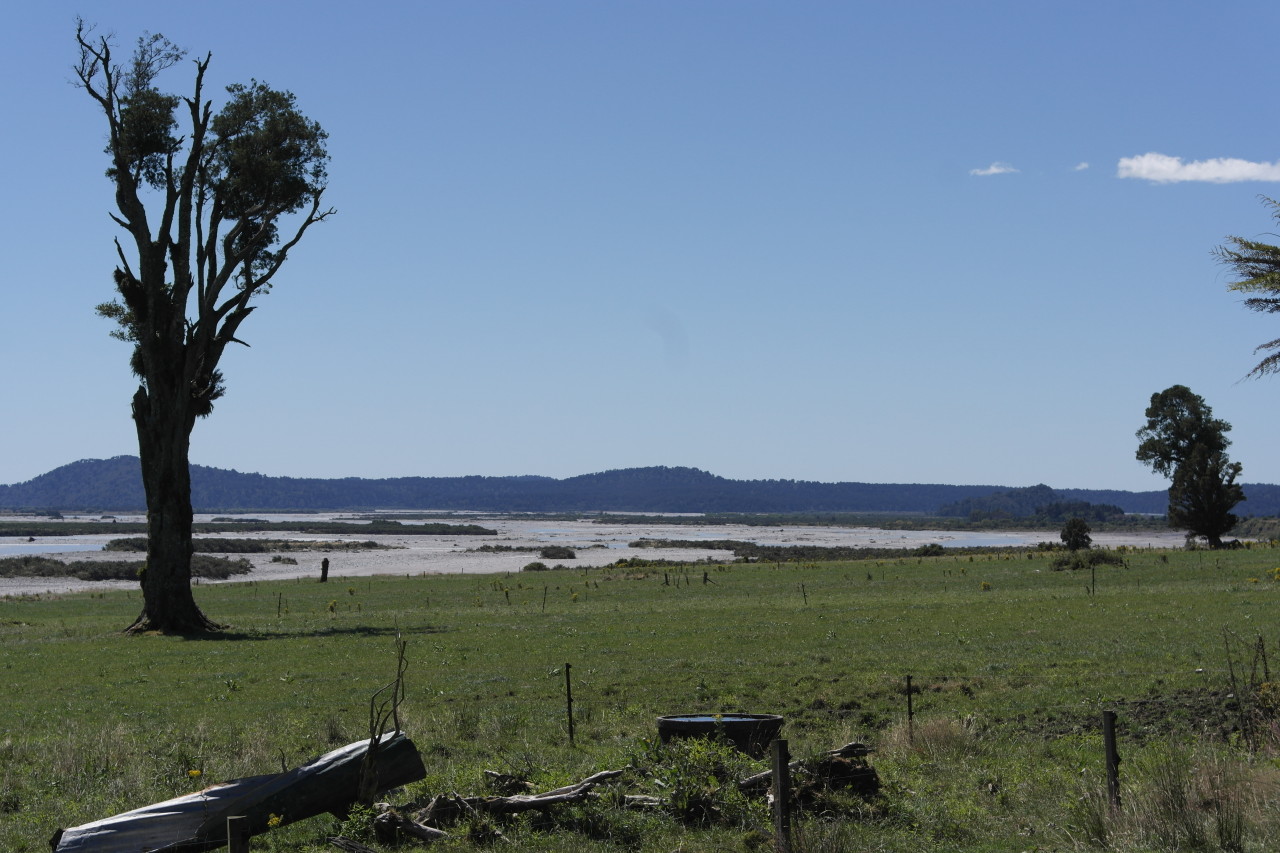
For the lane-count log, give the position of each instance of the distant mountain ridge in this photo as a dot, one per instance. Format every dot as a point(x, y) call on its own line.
point(116, 484)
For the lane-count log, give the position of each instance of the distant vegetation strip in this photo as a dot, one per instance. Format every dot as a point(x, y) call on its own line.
point(1261, 529)
point(821, 553)
point(210, 545)
point(557, 552)
point(887, 521)
point(202, 566)
point(326, 528)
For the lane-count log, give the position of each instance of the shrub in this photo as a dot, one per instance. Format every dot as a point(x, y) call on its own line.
point(1073, 560)
point(535, 567)
point(699, 780)
point(556, 552)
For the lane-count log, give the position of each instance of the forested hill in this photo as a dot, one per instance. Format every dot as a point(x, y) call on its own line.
point(116, 484)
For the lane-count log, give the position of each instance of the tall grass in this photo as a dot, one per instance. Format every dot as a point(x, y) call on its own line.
point(1192, 797)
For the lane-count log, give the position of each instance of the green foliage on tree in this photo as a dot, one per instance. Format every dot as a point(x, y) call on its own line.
point(1075, 535)
point(1183, 441)
point(1178, 422)
point(1256, 266)
point(211, 204)
point(1203, 493)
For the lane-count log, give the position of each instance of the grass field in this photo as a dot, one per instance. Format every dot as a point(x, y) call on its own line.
point(1012, 665)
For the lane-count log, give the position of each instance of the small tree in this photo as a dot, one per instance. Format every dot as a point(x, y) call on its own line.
point(1182, 440)
point(1075, 535)
point(230, 195)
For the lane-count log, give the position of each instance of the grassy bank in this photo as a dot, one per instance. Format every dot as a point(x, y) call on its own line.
point(1012, 662)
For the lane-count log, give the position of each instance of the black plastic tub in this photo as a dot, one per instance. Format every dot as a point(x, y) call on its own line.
point(749, 733)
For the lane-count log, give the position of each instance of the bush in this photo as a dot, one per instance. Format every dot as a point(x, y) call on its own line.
point(202, 566)
point(556, 552)
point(535, 567)
point(699, 781)
point(1073, 560)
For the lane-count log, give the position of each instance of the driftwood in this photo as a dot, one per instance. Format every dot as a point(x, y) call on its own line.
point(445, 809)
point(505, 783)
point(641, 801)
point(760, 781)
point(196, 822)
point(391, 827)
point(527, 802)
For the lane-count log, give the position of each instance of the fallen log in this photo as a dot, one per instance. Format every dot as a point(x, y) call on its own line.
point(198, 821)
point(444, 809)
point(527, 802)
point(589, 782)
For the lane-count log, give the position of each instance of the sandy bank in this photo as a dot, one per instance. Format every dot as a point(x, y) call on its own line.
point(595, 545)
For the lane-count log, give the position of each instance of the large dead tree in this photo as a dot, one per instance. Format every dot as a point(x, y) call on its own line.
point(211, 205)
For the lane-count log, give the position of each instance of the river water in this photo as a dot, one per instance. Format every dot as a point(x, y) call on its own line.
point(594, 544)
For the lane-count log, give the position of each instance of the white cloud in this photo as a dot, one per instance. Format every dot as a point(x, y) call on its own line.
point(996, 168)
point(1080, 167)
point(1163, 169)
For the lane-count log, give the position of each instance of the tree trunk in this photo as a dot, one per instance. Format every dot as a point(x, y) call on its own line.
point(164, 440)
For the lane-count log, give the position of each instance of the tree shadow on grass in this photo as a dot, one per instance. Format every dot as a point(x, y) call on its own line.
point(356, 631)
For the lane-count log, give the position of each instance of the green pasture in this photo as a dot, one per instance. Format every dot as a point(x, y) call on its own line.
point(1011, 665)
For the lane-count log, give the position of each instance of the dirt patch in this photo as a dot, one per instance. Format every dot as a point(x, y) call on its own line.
point(1204, 711)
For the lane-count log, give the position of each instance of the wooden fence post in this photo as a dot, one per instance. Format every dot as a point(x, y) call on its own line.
point(1113, 757)
point(237, 834)
point(911, 731)
point(781, 797)
point(568, 695)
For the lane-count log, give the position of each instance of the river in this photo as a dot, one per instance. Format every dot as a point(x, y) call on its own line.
point(594, 545)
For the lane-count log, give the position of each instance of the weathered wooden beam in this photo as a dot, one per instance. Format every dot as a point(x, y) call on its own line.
point(198, 821)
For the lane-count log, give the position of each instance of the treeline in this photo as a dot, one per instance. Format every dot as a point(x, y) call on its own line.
point(116, 484)
point(754, 552)
point(1039, 504)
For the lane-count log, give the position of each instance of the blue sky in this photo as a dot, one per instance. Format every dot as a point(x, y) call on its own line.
point(878, 242)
